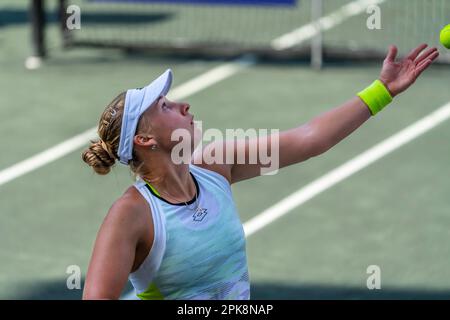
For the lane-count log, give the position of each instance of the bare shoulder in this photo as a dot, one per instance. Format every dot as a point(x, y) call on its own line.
point(221, 168)
point(130, 205)
point(129, 213)
point(120, 247)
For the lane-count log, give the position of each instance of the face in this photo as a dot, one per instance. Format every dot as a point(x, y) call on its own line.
point(165, 116)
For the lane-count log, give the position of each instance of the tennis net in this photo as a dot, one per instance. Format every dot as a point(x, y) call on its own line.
point(342, 28)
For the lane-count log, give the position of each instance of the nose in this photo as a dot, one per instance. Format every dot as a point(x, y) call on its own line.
point(185, 108)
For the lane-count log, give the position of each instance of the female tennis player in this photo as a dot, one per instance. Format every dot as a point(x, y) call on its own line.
point(175, 233)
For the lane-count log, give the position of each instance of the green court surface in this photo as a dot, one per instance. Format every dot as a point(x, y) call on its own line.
point(394, 213)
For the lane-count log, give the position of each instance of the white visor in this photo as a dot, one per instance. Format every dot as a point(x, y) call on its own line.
point(137, 101)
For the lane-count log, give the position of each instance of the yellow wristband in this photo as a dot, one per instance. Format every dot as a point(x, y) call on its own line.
point(376, 97)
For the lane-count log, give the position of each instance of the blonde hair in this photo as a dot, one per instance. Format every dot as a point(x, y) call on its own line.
point(102, 154)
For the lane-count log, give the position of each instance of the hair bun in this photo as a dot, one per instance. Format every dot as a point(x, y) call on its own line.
point(99, 158)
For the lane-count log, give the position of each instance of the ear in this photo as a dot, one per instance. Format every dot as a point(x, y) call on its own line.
point(145, 140)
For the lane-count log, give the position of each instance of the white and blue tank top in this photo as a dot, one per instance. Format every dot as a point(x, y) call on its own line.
point(196, 254)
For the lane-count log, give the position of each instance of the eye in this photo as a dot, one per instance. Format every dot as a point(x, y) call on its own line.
point(164, 105)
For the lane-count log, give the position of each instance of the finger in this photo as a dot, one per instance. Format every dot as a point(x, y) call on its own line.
point(431, 58)
point(426, 55)
point(415, 52)
point(434, 56)
point(422, 66)
point(426, 63)
point(392, 53)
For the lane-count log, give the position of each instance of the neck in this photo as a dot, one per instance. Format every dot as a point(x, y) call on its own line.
point(169, 179)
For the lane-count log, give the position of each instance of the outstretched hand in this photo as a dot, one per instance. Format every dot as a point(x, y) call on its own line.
point(399, 75)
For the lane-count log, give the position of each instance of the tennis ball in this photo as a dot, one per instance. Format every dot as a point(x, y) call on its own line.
point(445, 36)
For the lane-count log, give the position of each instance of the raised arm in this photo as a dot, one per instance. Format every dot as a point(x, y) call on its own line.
point(329, 128)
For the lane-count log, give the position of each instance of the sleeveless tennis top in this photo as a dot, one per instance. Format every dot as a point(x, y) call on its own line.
point(196, 254)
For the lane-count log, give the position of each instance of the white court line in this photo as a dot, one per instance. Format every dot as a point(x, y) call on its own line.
point(308, 31)
point(195, 85)
point(47, 156)
point(347, 169)
point(211, 77)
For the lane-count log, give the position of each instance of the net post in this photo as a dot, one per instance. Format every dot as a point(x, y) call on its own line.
point(317, 41)
point(37, 18)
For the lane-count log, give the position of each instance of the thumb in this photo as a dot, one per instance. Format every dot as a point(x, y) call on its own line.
point(392, 53)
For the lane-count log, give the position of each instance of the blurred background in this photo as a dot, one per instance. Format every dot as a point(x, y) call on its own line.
point(240, 64)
